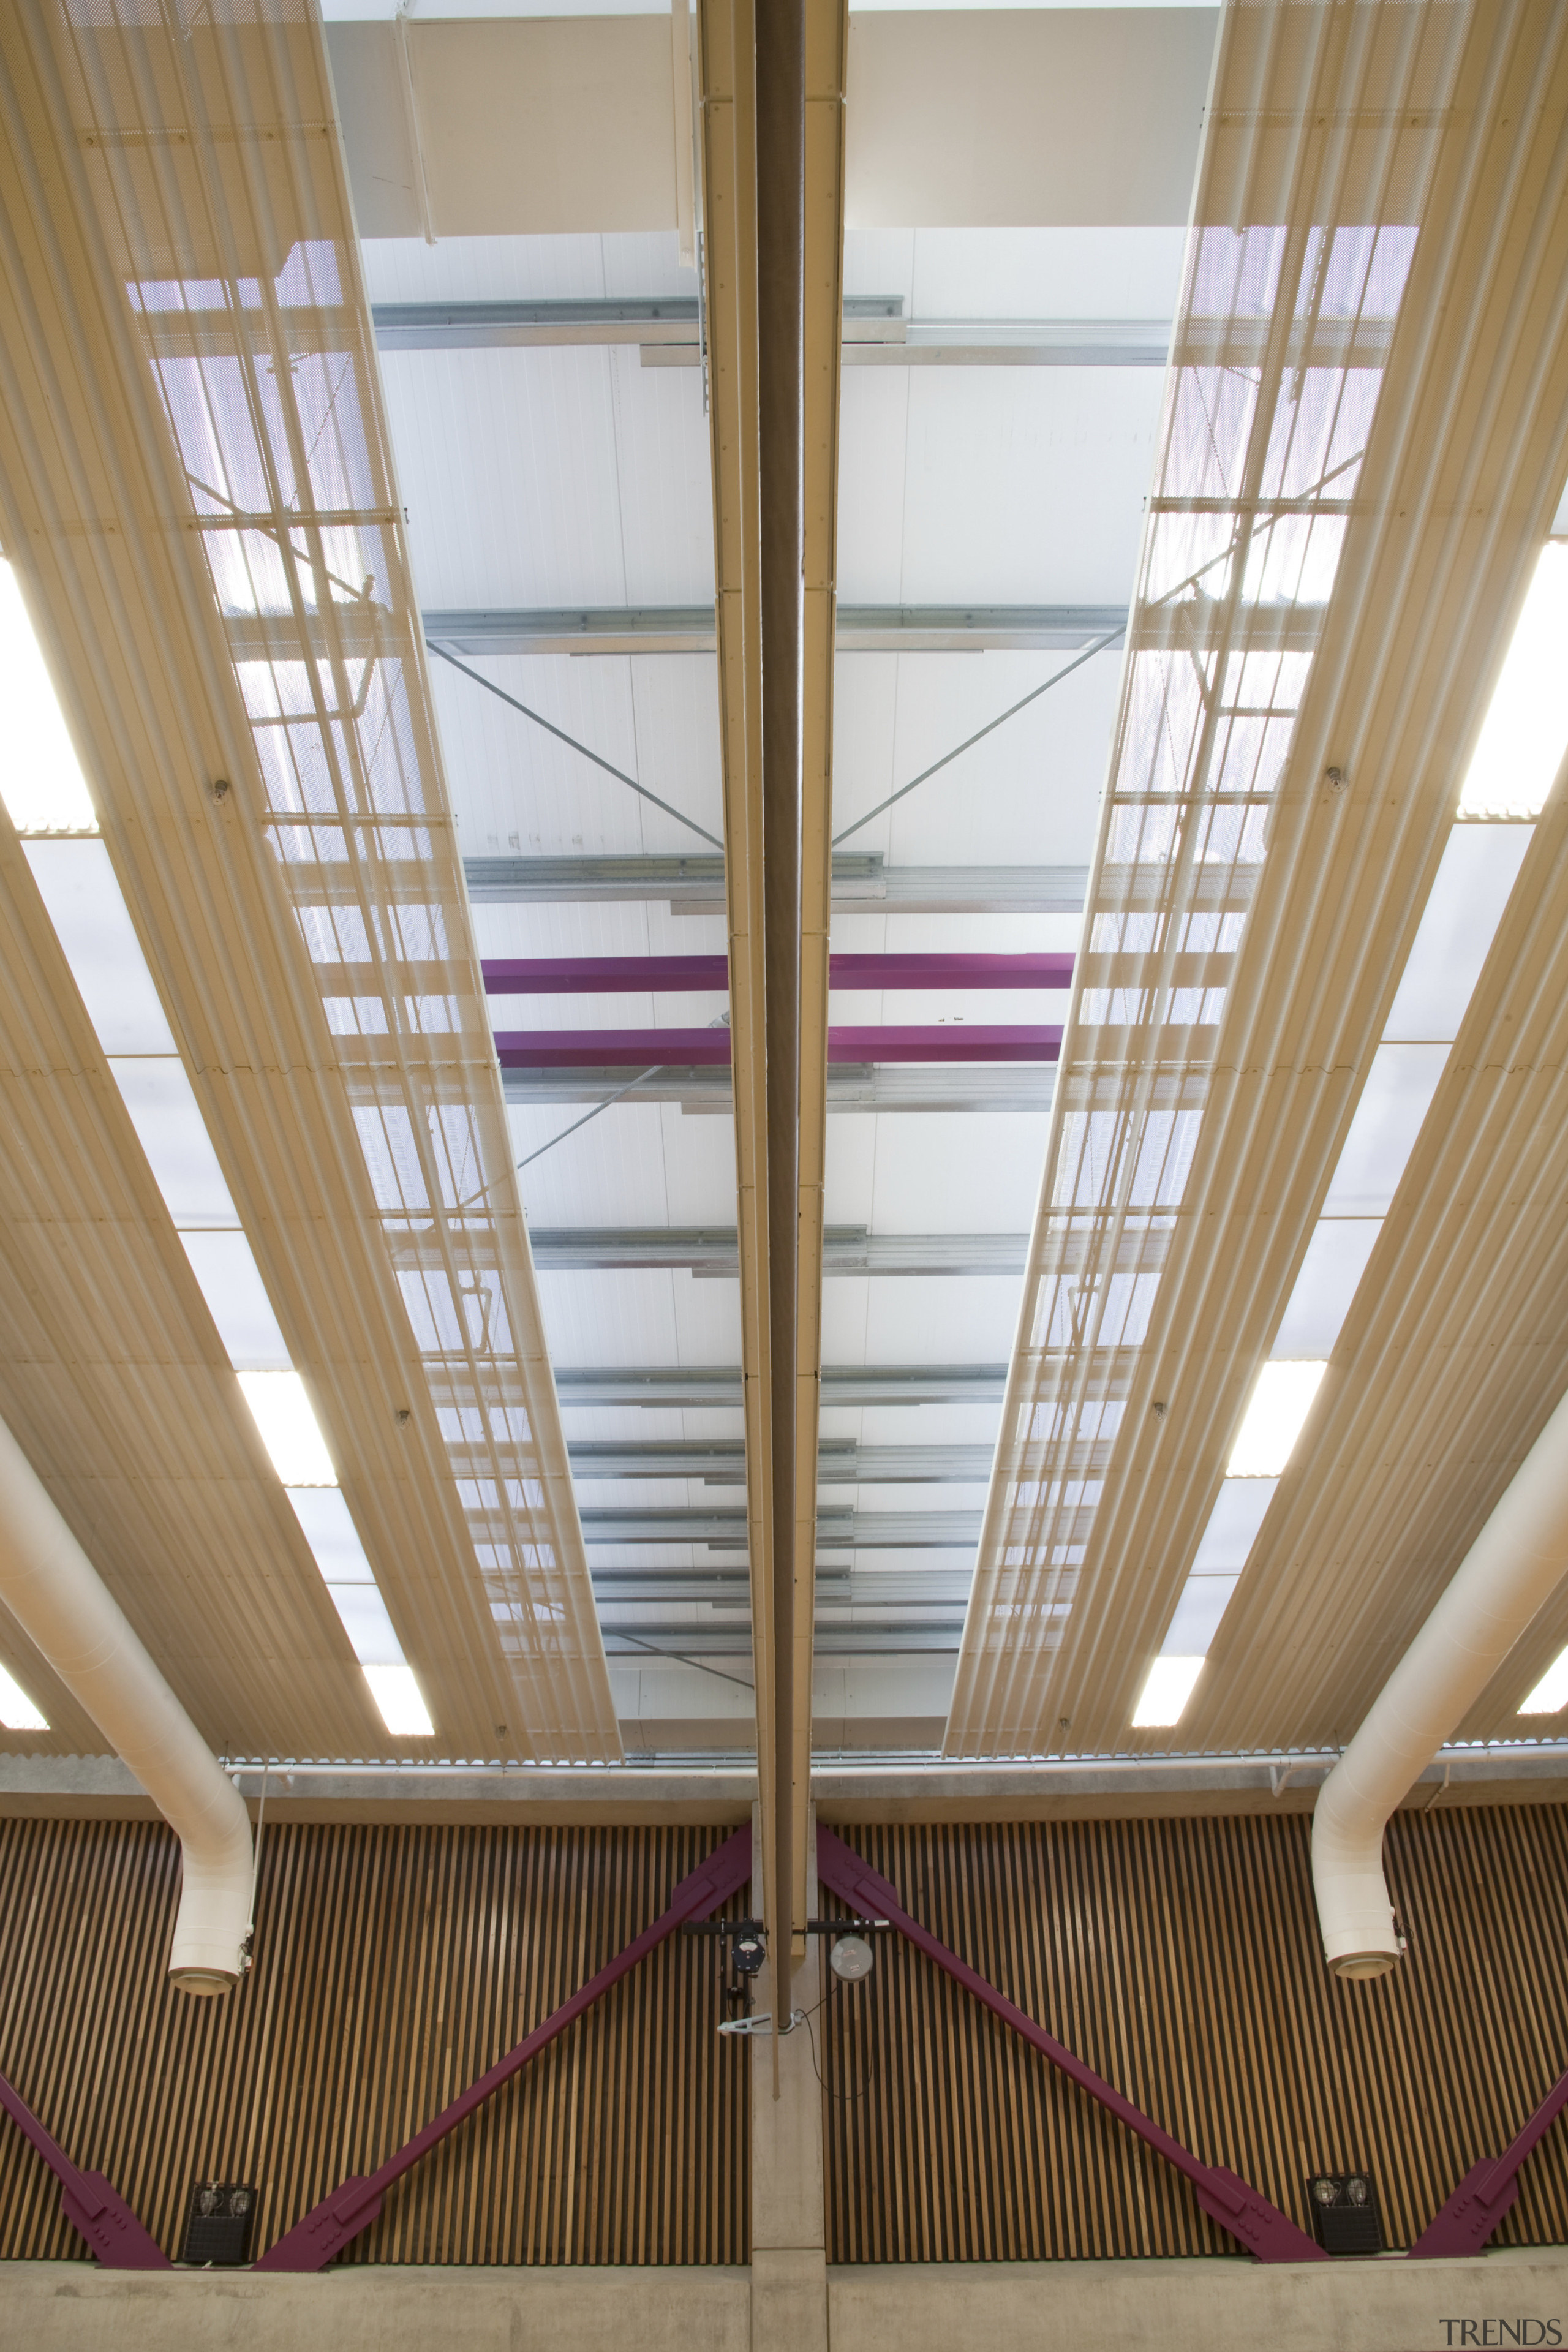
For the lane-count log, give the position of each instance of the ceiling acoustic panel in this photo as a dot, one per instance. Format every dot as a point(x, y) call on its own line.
point(197, 491)
point(1362, 445)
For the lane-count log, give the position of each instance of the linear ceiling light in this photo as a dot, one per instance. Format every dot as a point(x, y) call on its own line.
point(1167, 1687)
point(396, 1694)
point(1520, 748)
point(92, 924)
point(44, 790)
point(17, 1712)
point(1280, 1405)
point(1525, 731)
point(1549, 1696)
point(289, 1430)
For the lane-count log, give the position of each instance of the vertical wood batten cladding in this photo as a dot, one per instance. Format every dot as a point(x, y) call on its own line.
point(1181, 1959)
point(392, 1966)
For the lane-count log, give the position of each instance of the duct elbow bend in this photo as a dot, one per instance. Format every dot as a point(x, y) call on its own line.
point(210, 1951)
point(1354, 1913)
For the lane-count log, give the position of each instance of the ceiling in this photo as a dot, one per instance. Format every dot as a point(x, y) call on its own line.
point(532, 376)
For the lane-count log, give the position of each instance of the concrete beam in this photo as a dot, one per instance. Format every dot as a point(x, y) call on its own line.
point(1067, 2306)
point(908, 1789)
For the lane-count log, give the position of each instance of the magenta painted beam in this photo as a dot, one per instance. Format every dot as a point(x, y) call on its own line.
point(616, 1049)
point(950, 971)
point(1489, 2189)
point(946, 1041)
point(606, 975)
point(1224, 2196)
point(611, 1049)
point(354, 2204)
point(692, 974)
point(90, 2203)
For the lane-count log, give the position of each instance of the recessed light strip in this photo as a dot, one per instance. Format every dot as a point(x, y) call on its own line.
point(48, 802)
point(1515, 763)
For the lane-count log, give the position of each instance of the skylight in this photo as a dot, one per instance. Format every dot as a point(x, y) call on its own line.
point(1280, 1405)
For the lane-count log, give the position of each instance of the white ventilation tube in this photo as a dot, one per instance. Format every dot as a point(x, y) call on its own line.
point(1513, 1567)
point(56, 1597)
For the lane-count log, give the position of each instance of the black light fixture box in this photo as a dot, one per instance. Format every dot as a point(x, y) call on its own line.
point(218, 2222)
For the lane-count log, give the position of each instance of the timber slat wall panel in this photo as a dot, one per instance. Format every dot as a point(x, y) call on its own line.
point(392, 1966)
point(1181, 1959)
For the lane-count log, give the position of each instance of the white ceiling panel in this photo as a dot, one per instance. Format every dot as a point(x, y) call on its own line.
point(1025, 485)
point(636, 1164)
point(526, 268)
point(958, 1319)
point(519, 789)
point(661, 456)
point(1046, 273)
point(1028, 794)
point(536, 520)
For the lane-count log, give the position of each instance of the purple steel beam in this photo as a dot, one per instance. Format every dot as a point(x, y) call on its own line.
point(1489, 2189)
point(1224, 2196)
point(690, 975)
point(354, 2204)
point(614, 1049)
point(89, 2203)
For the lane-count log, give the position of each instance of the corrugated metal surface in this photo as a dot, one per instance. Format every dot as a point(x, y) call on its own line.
point(1212, 1132)
point(392, 1966)
point(1179, 1958)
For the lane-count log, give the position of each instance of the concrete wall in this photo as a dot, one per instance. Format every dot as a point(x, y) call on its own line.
point(1390, 2305)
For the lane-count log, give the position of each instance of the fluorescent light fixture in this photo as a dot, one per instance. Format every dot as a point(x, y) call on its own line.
point(92, 923)
point(1549, 1696)
point(1525, 731)
point(397, 1694)
point(288, 1428)
point(237, 1300)
point(1167, 1687)
point(44, 789)
point(17, 1712)
point(1279, 1404)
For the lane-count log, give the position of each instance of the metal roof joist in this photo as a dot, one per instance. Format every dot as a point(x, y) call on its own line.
point(1359, 160)
point(150, 167)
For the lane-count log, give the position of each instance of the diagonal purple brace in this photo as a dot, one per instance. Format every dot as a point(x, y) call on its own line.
point(1488, 2189)
point(89, 2203)
point(1224, 2196)
point(354, 2204)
